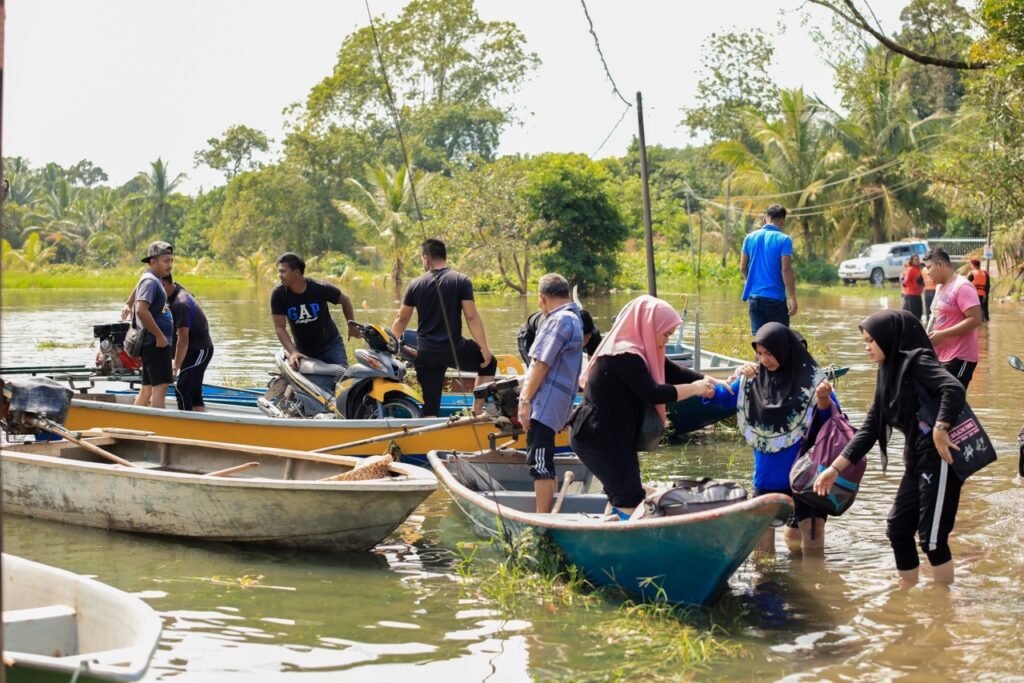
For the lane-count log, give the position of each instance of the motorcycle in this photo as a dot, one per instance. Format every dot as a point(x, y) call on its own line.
point(373, 387)
point(1017, 364)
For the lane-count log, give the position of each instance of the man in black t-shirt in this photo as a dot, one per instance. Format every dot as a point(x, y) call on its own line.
point(193, 347)
point(302, 303)
point(440, 297)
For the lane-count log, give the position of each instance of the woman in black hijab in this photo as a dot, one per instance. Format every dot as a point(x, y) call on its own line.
point(928, 496)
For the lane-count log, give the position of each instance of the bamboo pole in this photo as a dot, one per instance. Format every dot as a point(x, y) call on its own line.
point(405, 431)
point(232, 470)
point(51, 426)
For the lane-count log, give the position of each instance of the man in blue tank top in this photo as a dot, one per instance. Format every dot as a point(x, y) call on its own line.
point(767, 266)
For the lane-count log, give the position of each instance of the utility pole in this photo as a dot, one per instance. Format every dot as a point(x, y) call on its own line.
point(988, 241)
point(728, 217)
point(652, 287)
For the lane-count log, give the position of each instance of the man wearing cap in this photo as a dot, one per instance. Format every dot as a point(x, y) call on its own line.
point(149, 301)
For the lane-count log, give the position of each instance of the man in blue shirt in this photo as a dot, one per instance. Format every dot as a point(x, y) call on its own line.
point(767, 266)
point(551, 385)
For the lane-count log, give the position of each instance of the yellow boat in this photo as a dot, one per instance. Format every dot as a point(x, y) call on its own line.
point(230, 424)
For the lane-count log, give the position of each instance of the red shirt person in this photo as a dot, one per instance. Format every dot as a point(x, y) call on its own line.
point(912, 285)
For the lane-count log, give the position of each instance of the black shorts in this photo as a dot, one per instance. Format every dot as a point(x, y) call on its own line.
point(963, 370)
point(540, 450)
point(156, 365)
point(431, 365)
point(189, 387)
point(801, 510)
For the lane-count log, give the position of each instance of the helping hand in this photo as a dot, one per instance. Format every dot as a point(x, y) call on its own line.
point(720, 382)
point(748, 370)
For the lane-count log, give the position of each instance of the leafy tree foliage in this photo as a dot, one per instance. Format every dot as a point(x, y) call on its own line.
point(234, 151)
point(581, 226)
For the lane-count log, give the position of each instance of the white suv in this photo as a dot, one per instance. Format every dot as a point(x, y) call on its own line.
point(880, 262)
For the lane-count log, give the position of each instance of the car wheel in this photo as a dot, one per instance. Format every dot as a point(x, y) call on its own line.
point(849, 283)
point(877, 277)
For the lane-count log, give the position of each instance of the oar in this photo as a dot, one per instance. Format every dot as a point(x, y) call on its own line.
point(232, 470)
point(51, 426)
point(405, 431)
point(566, 481)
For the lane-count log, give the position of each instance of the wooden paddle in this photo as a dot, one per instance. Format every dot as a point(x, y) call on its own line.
point(51, 426)
point(566, 482)
point(232, 470)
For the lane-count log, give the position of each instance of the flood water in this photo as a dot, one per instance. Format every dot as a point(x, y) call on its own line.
point(401, 611)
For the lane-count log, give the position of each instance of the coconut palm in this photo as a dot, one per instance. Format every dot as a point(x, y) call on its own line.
point(882, 128)
point(56, 217)
point(794, 160)
point(380, 209)
point(33, 254)
point(156, 188)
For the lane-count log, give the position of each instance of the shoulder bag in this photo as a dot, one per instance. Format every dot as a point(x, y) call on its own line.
point(976, 449)
point(828, 445)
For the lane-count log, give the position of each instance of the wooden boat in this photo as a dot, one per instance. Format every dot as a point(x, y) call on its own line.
point(239, 425)
point(283, 500)
point(59, 626)
point(688, 557)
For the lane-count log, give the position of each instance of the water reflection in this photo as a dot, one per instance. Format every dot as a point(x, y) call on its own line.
point(400, 611)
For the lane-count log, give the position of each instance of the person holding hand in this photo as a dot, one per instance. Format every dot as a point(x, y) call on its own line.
point(929, 493)
point(626, 376)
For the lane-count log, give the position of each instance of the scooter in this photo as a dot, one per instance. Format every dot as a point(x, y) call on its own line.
point(373, 387)
point(1018, 364)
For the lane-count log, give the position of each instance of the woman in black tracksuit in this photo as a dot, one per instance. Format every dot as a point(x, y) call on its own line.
point(929, 493)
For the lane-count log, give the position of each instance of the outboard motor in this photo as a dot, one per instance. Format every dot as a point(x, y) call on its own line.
point(112, 359)
point(25, 401)
point(501, 399)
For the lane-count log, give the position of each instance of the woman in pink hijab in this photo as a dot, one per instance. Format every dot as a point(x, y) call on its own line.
point(627, 375)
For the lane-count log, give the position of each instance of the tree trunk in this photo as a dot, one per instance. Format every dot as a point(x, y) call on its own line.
point(396, 277)
point(878, 219)
point(808, 239)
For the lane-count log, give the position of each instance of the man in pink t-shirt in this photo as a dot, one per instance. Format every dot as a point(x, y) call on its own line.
point(957, 313)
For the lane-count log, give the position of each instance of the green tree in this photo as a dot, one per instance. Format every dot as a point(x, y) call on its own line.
point(735, 80)
point(581, 227)
point(793, 159)
point(381, 209)
point(234, 151)
point(156, 190)
point(935, 26)
point(56, 217)
point(33, 254)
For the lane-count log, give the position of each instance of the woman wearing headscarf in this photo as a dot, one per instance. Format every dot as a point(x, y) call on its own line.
point(776, 408)
point(627, 374)
point(929, 493)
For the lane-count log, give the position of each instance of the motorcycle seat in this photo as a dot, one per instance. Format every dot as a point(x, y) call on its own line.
point(312, 366)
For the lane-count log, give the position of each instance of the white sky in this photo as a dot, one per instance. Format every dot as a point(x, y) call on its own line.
point(122, 82)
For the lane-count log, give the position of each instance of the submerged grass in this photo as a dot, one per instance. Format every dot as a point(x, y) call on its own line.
point(47, 344)
point(649, 638)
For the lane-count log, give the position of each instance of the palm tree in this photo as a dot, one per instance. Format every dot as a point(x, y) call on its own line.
point(57, 218)
point(380, 209)
point(882, 128)
point(156, 191)
point(33, 253)
point(794, 161)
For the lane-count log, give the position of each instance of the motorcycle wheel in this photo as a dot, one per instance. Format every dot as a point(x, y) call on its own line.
point(394, 406)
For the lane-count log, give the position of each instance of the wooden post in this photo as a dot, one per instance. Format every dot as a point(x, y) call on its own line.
point(652, 287)
point(728, 218)
point(700, 242)
point(689, 226)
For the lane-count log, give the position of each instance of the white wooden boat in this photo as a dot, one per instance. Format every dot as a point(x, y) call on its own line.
point(285, 499)
point(59, 626)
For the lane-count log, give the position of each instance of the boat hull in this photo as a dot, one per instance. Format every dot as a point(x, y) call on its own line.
point(254, 428)
point(75, 620)
point(683, 559)
point(265, 509)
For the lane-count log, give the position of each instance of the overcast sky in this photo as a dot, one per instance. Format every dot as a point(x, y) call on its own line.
point(122, 82)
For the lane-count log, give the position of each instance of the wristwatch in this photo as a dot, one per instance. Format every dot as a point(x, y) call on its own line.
point(942, 426)
point(524, 401)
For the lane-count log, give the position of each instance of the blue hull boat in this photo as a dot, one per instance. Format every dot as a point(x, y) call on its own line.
point(683, 558)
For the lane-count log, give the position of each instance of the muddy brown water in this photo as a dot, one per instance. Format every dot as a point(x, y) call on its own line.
point(401, 611)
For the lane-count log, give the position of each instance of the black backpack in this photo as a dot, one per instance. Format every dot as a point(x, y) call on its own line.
point(685, 496)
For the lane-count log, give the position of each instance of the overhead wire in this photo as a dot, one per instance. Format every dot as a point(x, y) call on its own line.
point(612, 131)
point(600, 53)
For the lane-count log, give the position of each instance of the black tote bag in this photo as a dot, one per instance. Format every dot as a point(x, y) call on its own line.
point(976, 449)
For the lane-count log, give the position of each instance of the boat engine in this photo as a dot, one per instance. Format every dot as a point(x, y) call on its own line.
point(501, 399)
point(112, 359)
point(24, 400)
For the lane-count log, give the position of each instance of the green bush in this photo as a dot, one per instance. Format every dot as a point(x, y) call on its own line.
point(816, 272)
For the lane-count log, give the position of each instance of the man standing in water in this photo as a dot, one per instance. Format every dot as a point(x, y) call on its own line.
point(767, 266)
point(301, 303)
point(957, 317)
point(547, 398)
point(440, 297)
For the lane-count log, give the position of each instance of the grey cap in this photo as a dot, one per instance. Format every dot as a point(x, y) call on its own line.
point(157, 248)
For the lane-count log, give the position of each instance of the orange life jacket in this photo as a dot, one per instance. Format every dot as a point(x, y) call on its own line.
point(929, 283)
point(980, 280)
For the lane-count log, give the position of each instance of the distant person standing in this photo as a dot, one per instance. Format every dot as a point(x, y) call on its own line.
point(301, 303)
point(193, 347)
point(551, 384)
point(912, 285)
point(929, 294)
point(149, 302)
point(957, 317)
point(982, 281)
point(440, 297)
point(767, 266)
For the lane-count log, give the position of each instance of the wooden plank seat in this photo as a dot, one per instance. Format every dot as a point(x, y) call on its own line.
point(56, 626)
